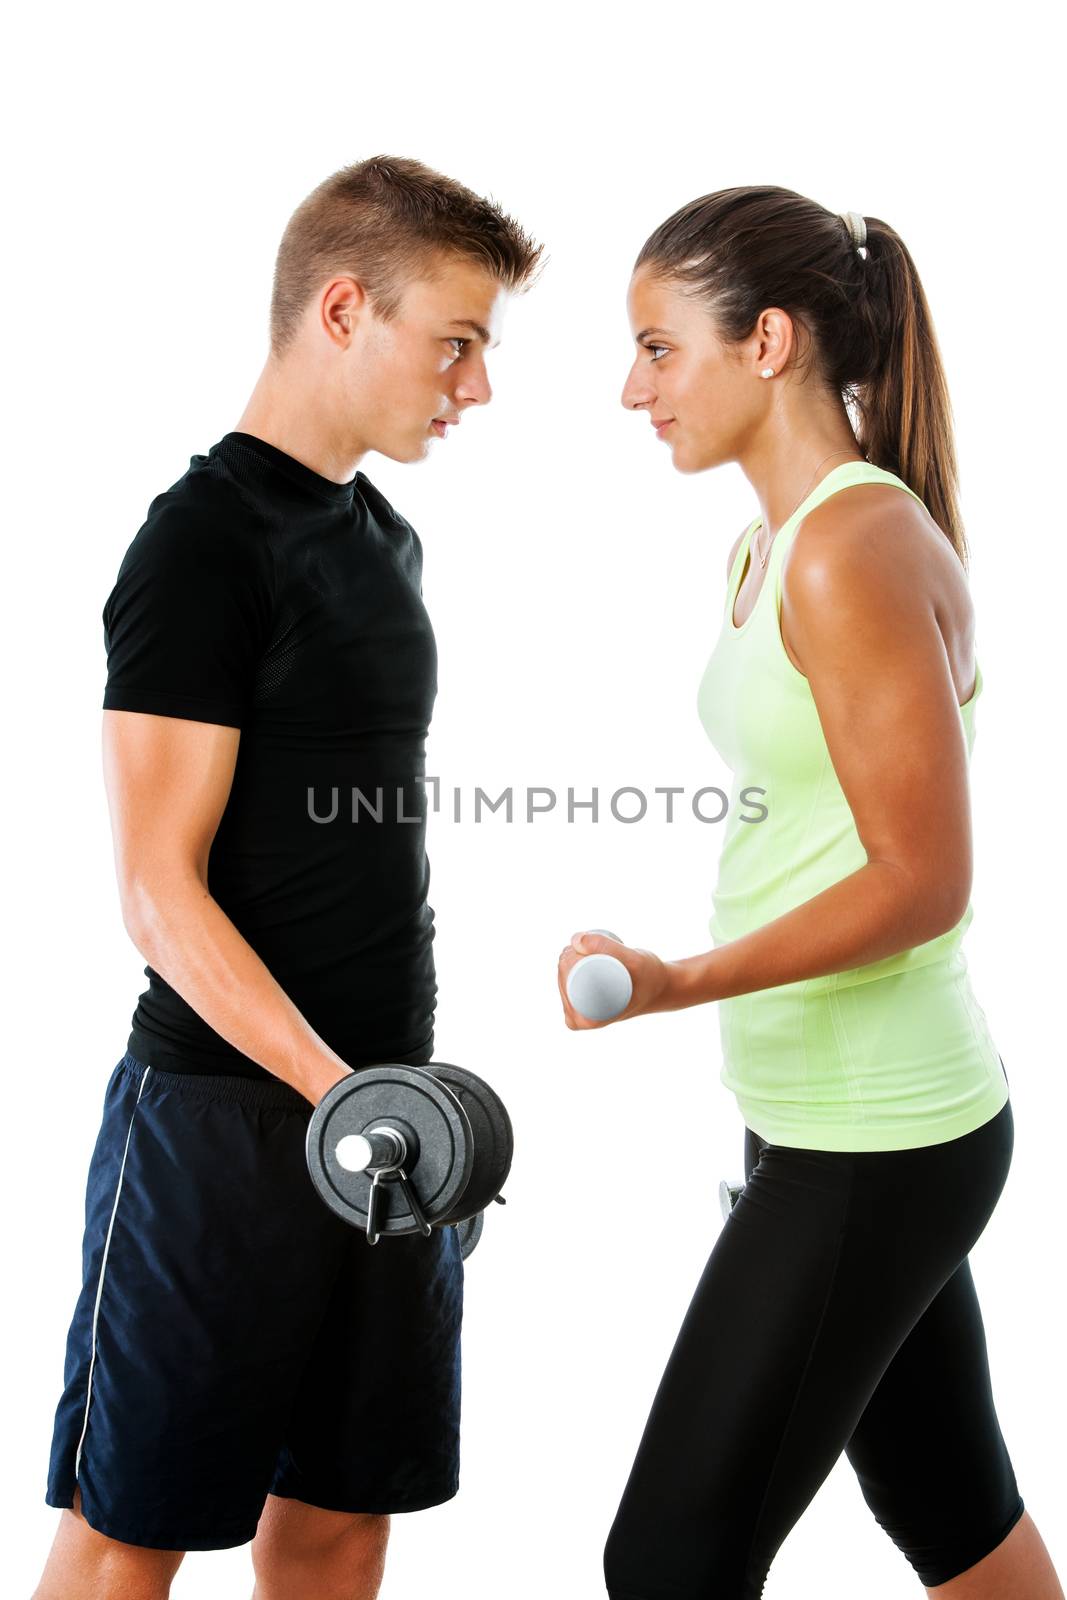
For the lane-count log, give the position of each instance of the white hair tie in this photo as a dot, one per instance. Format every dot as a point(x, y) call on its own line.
point(857, 228)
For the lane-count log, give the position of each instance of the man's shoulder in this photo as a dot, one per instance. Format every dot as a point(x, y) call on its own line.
point(204, 513)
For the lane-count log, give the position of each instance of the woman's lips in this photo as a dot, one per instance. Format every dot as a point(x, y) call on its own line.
point(662, 427)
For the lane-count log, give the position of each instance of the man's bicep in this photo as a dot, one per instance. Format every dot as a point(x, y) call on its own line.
point(168, 780)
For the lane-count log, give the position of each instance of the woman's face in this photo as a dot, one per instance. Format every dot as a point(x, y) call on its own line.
point(708, 395)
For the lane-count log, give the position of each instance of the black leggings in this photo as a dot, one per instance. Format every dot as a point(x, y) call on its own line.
point(836, 1312)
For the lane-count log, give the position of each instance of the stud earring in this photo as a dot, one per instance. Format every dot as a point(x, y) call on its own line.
point(768, 372)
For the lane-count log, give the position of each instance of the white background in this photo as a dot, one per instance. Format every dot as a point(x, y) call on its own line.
point(576, 585)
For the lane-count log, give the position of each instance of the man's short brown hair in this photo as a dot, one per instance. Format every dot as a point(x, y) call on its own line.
point(383, 221)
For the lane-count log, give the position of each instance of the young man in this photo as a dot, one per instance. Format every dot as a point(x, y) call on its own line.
point(241, 1364)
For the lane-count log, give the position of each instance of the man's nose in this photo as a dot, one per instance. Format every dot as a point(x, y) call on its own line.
point(475, 390)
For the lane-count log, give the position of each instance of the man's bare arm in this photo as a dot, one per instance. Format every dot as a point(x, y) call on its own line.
point(168, 780)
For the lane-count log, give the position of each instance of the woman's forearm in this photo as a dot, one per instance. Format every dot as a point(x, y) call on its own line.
point(875, 912)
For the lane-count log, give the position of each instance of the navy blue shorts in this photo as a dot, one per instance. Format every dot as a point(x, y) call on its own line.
point(234, 1338)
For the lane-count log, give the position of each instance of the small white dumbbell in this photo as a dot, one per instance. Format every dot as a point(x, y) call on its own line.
point(599, 986)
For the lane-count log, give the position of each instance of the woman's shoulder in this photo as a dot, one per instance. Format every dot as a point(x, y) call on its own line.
point(870, 559)
point(868, 535)
point(862, 515)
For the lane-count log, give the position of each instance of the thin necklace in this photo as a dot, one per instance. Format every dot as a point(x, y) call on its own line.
point(800, 502)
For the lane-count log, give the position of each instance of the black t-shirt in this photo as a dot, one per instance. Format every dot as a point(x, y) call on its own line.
point(263, 596)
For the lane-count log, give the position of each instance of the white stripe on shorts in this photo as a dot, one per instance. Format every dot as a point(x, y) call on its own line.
point(103, 1268)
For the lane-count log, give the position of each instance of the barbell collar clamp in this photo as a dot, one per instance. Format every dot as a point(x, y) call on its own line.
point(374, 1200)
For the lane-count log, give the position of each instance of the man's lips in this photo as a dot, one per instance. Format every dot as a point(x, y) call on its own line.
point(440, 425)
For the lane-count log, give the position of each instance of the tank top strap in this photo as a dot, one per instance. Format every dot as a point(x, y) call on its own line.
point(738, 566)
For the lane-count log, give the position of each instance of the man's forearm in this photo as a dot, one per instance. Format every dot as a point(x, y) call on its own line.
point(184, 935)
point(873, 913)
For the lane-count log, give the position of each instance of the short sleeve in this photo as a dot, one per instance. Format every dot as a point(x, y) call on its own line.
point(189, 617)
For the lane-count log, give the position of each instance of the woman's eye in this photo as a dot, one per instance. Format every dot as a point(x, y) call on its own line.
point(656, 347)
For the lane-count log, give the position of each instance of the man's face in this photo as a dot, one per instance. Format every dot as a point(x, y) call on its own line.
point(410, 380)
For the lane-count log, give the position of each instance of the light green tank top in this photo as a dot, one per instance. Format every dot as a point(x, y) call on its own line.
point(887, 1056)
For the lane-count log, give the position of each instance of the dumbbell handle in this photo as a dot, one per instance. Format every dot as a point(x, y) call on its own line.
point(375, 1149)
point(382, 1151)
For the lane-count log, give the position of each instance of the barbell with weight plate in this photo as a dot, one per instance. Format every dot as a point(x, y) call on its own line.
point(398, 1149)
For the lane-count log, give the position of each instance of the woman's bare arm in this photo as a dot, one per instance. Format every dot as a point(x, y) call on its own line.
point(862, 623)
point(857, 597)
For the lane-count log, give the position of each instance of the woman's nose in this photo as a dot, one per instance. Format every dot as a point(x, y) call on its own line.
point(635, 393)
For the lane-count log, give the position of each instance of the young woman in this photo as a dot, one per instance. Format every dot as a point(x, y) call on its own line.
point(837, 1310)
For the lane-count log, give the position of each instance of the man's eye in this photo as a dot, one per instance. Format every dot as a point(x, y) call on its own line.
point(463, 342)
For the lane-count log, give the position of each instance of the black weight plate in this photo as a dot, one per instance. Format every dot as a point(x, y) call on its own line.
point(417, 1103)
point(494, 1141)
point(470, 1231)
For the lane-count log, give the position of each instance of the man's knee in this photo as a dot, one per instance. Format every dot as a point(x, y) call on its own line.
point(84, 1562)
point(291, 1531)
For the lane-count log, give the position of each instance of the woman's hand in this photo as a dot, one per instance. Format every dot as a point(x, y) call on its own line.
point(652, 979)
